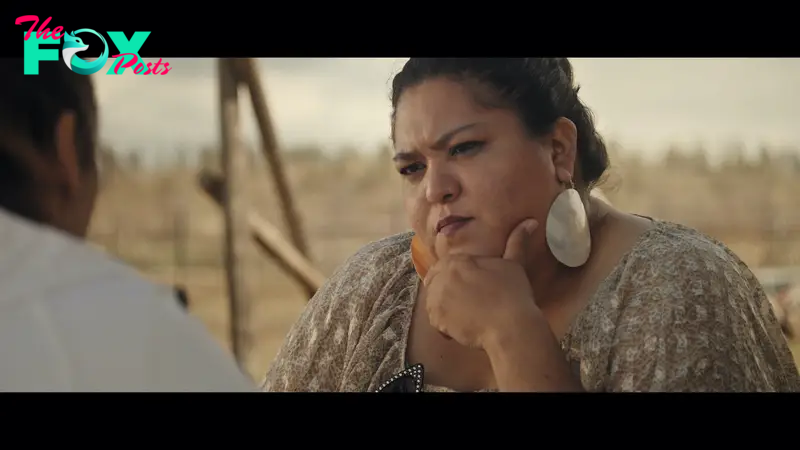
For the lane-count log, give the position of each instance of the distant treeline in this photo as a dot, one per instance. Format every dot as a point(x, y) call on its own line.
point(695, 159)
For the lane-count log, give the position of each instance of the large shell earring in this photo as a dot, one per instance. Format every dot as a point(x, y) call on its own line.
point(567, 228)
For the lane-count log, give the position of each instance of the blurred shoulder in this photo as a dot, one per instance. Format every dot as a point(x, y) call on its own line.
point(676, 258)
point(59, 266)
point(674, 242)
point(671, 242)
point(378, 260)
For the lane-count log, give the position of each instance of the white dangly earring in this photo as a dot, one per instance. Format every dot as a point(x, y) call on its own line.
point(567, 228)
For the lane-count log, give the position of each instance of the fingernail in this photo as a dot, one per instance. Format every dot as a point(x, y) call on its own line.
point(530, 226)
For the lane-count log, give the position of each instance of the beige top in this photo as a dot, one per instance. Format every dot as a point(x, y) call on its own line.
point(680, 312)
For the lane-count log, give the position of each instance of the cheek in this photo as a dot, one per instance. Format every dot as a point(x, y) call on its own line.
point(515, 192)
point(416, 211)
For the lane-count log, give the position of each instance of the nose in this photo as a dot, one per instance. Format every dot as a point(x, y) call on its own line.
point(442, 186)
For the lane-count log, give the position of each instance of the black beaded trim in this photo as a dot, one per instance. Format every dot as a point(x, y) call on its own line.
point(414, 372)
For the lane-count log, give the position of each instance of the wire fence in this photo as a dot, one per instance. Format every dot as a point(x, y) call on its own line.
point(179, 245)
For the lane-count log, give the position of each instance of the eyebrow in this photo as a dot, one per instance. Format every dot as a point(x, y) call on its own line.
point(438, 144)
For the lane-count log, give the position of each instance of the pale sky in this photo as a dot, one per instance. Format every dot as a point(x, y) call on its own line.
point(645, 104)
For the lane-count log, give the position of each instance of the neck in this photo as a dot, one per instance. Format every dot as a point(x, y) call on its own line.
point(551, 280)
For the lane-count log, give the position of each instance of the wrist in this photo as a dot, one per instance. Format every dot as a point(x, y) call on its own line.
point(518, 333)
point(526, 357)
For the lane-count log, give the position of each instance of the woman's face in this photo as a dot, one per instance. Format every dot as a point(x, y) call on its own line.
point(459, 159)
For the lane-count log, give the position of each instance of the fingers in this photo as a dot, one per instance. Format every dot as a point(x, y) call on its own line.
point(432, 272)
point(459, 264)
point(421, 256)
point(518, 240)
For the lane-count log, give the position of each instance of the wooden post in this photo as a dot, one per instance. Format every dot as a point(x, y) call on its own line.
point(180, 228)
point(235, 207)
point(247, 73)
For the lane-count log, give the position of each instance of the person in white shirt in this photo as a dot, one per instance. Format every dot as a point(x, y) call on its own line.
point(71, 317)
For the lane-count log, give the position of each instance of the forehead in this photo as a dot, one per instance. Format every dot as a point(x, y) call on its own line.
point(432, 108)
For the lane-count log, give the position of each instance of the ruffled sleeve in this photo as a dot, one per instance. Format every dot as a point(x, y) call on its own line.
point(695, 319)
point(330, 347)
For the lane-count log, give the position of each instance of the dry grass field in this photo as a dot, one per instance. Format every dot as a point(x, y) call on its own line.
point(159, 221)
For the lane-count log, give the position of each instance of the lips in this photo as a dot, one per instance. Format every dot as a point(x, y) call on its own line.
point(450, 220)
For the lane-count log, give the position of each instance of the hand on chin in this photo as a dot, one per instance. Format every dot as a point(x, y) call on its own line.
point(471, 244)
point(463, 243)
point(471, 295)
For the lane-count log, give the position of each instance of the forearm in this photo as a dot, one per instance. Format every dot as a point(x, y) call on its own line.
point(528, 358)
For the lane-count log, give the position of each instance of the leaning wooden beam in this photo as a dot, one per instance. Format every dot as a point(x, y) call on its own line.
point(248, 75)
point(270, 239)
point(273, 242)
point(235, 209)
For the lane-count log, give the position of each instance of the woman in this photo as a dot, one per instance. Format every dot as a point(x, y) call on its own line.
point(72, 318)
point(518, 279)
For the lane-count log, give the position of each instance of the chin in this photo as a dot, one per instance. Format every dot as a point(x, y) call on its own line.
point(472, 247)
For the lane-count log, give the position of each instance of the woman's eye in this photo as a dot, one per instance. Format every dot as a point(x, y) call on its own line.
point(410, 169)
point(465, 147)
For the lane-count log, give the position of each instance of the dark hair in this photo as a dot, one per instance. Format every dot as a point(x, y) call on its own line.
point(540, 90)
point(30, 106)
